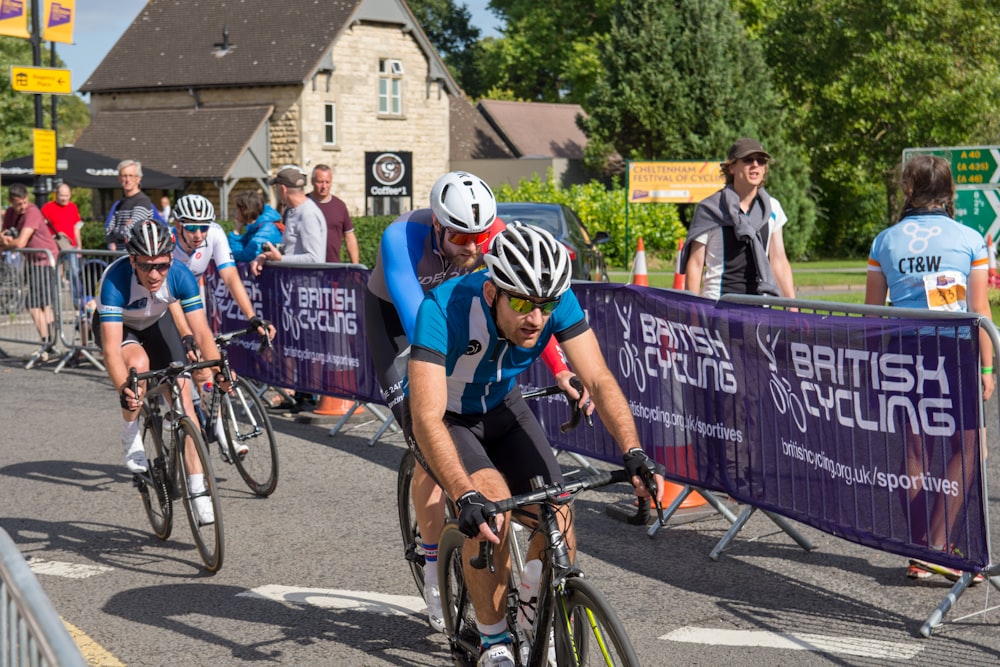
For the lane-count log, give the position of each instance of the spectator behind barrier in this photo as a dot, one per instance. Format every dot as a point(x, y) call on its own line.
point(950, 273)
point(249, 238)
point(25, 227)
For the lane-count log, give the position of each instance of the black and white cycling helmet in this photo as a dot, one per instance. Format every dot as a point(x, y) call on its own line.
point(195, 208)
point(150, 238)
point(529, 261)
point(463, 203)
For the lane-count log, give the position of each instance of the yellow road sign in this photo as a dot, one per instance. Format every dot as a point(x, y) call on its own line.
point(678, 182)
point(45, 80)
point(45, 152)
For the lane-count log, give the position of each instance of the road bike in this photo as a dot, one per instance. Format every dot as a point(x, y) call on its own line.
point(569, 609)
point(412, 545)
point(165, 429)
point(244, 422)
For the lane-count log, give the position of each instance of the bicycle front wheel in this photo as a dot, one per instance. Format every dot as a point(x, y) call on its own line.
point(587, 629)
point(154, 486)
point(459, 617)
point(412, 544)
point(247, 425)
point(207, 536)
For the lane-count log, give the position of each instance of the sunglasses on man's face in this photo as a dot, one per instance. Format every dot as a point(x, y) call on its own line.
point(148, 267)
point(524, 305)
point(459, 238)
point(196, 228)
point(759, 159)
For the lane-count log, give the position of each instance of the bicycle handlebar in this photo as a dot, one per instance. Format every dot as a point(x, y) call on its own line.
point(224, 339)
point(575, 411)
point(557, 493)
point(174, 370)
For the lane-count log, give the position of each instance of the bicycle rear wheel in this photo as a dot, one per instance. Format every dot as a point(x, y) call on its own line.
point(412, 544)
point(207, 537)
point(459, 617)
point(587, 629)
point(245, 422)
point(154, 486)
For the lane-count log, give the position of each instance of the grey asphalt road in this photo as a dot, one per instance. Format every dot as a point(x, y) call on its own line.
point(313, 575)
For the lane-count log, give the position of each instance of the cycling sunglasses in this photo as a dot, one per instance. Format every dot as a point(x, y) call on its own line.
point(459, 238)
point(524, 305)
point(146, 267)
point(196, 228)
point(759, 159)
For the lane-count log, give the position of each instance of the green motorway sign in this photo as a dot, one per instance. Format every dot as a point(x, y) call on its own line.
point(970, 165)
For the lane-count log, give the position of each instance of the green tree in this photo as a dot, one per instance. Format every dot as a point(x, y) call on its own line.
point(871, 78)
point(550, 50)
point(449, 27)
point(682, 81)
point(17, 110)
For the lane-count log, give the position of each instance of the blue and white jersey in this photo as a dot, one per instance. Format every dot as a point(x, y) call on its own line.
point(455, 328)
point(214, 247)
point(123, 299)
point(927, 259)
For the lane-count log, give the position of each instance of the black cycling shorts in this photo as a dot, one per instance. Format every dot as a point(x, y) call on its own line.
point(161, 341)
point(507, 438)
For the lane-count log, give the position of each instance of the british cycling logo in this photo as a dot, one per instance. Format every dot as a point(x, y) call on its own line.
point(785, 400)
point(865, 390)
point(138, 304)
point(474, 348)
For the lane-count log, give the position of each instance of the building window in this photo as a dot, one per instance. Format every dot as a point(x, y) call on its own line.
point(330, 124)
point(390, 87)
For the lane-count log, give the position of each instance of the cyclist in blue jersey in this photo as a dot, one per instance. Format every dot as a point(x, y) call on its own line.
point(135, 295)
point(419, 251)
point(474, 335)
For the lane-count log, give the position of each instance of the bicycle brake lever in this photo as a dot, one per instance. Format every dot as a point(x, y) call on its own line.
point(485, 558)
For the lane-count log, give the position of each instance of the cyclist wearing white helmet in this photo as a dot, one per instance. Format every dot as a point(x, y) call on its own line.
point(200, 240)
point(419, 251)
point(135, 295)
point(473, 337)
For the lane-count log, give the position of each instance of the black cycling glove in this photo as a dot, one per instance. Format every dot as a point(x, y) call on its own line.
point(471, 513)
point(189, 345)
point(638, 464)
point(257, 323)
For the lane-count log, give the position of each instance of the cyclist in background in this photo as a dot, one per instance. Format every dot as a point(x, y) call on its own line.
point(418, 251)
point(200, 241)
point(136, 292)
point(473, 336)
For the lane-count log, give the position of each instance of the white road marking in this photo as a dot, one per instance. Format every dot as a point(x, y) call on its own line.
point(68, 570)
point(867, 648)
point(329, 598)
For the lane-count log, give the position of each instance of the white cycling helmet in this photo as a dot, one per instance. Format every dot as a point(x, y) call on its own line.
point(150, 238)
point(195, 208)
point(463, 202)
point(529, 261)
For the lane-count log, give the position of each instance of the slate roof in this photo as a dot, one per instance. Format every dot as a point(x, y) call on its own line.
point(537, 129)
point(171, 44)
point(472, 137)
point(189, 143)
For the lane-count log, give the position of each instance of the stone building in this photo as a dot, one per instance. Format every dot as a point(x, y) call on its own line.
point(222, 93)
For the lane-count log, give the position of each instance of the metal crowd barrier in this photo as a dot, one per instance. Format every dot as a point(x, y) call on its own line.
point(28, 287)
point(79, 275)
point(969, 460)
point(31, 632)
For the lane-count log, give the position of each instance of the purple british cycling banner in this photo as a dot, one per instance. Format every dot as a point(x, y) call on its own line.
point(320, 346)
point(867, 428)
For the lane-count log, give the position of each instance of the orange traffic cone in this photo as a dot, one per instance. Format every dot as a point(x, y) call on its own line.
point(639, 276)
point(679, 277)
point(331, 405)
